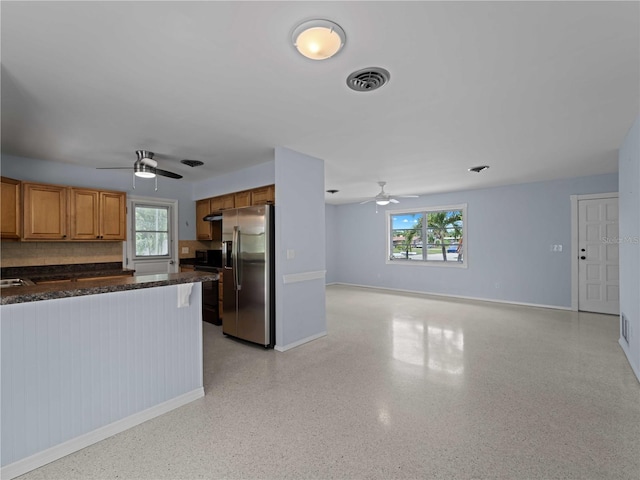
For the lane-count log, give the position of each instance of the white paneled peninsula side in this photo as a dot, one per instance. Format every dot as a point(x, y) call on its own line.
point(83, 362)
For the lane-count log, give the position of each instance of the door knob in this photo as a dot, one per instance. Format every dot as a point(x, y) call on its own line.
point(583, 258)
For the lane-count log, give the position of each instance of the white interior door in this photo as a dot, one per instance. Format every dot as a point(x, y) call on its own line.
point(151, 245)
point(598, 276)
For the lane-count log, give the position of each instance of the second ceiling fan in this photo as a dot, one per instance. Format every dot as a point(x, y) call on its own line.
point(384, 198)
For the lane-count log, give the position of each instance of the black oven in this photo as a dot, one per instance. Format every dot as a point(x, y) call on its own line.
point(210, 311)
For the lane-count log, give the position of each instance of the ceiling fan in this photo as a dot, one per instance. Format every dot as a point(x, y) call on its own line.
point(145, 167)
point(384, 198)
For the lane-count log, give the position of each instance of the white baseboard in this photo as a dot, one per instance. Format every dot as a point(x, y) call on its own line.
point(39, 459)
point(300, 342)
point(555, 307)
point(622, 343)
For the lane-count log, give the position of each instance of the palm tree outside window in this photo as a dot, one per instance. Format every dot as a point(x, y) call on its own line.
point(427, 236)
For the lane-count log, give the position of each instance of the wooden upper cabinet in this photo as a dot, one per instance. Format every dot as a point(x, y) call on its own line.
point(98, 215)
point(203, 228)
point(10, 208)
point(263, 195)
point(242, 199)
point(113, 216)
point(85, 214)
point(45, 212)
point(223, 202)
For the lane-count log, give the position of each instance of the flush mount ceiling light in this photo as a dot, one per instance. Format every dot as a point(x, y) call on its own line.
point(318, 39)
point(479, 168)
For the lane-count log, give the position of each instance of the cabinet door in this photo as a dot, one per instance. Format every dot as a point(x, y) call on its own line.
point(263, 195)
point(45, 212)
point(222, 202)
point(10, 208)
point(203, 228)
point(84, 214)
point(242, 199)
point(113, 216)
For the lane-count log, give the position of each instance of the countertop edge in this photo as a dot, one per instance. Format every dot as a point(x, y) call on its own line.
point(26, 294)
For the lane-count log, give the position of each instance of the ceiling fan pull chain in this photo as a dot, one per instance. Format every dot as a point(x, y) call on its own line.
point(134, 180)
point(156, 177)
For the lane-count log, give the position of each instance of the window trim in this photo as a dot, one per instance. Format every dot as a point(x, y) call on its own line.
point(423, 263)
point(143, 204)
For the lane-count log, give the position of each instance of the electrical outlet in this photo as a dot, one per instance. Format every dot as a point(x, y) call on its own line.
point(291, 254)
point(185, 249)
point(556, 248)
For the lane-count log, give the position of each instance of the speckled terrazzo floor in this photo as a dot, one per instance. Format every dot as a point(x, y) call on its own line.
point(404, 386)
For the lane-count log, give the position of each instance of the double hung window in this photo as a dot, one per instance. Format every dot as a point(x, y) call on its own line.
point(151, 225)
point(427, 236)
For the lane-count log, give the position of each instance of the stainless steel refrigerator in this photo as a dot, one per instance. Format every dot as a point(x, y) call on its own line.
point(248, 277)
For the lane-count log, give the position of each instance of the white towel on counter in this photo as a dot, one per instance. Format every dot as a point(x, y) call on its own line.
point(184, 292)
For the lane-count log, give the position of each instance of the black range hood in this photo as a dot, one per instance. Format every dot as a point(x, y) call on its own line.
point(213, 217)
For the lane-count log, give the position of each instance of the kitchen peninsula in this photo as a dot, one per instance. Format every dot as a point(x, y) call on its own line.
point(84, 360)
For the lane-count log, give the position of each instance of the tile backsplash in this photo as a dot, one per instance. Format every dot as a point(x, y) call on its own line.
point(194, 245)
point(23, 254)
point(27, 254)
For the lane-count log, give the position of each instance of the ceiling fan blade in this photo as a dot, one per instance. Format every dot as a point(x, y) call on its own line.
point(408, 196)
point(114, 168)
point(393, 200)
point(367, 201)
point(166, 173)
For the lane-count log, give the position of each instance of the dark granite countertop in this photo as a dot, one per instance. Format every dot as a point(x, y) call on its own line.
point(42, 273)
point(34, 293)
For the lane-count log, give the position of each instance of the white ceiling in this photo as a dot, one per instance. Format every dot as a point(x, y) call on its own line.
point(536, 90)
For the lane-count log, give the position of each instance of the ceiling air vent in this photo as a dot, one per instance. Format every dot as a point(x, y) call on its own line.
point(368, 79)
point(192, 163)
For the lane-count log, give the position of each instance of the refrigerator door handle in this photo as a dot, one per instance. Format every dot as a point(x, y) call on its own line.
point(234, 257)
point(238, 260)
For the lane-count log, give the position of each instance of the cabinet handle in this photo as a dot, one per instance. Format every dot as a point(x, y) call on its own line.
point(64, 236)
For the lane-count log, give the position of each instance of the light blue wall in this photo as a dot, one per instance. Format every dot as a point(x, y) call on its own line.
point(258, 176)
point(508, 238)
point(300, 228)
point(629, 199)
point(44, 171)
point(332, 239)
